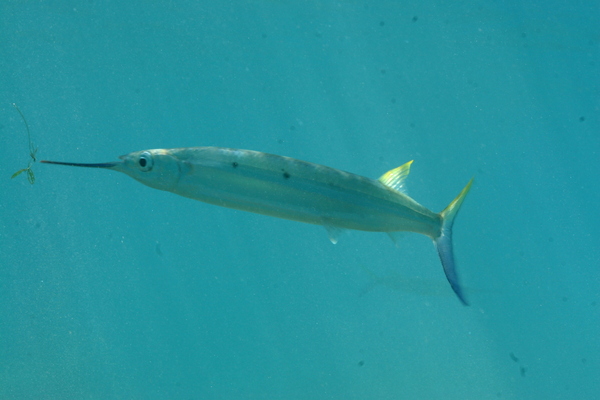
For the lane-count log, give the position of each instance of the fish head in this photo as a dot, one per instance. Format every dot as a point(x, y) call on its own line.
point(158, 168)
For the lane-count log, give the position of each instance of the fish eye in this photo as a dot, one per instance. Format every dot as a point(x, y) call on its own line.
point(145, 162)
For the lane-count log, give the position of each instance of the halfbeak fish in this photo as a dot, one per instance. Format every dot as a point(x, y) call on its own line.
point(297, 190)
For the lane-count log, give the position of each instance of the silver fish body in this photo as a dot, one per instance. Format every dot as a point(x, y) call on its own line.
point(296, 190)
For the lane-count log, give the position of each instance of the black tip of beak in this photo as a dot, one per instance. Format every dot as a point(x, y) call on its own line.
point(100, 165)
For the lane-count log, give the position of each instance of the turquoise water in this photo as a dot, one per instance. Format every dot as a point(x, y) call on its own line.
point(112, 290)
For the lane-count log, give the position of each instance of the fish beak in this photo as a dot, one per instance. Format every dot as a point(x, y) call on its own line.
point(108, 165)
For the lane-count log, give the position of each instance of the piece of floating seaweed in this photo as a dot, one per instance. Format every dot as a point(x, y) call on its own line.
point(32, 151)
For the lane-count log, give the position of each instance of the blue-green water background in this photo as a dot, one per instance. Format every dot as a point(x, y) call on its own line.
point(110, 289)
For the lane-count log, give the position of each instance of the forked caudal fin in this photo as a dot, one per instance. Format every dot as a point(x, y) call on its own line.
point(443, 243)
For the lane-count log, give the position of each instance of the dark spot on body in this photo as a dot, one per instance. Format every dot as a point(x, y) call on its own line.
point(523, 370)
point(234, 164)
point(415, 18)
point(581, 119)
point(382, 23)
point(361, 363)
point(286, 175)
point(513, 357)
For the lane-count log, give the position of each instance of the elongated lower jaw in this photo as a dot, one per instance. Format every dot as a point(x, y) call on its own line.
point(99, 165)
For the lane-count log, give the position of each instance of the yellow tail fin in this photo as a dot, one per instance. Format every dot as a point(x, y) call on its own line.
point(443, 243)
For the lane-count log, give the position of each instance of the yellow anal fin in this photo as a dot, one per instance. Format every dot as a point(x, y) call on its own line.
point(396, 178)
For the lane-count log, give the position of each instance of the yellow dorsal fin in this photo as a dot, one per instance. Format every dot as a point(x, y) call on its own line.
point(396, 177)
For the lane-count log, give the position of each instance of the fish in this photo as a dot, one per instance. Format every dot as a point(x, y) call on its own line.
point(296, 190)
